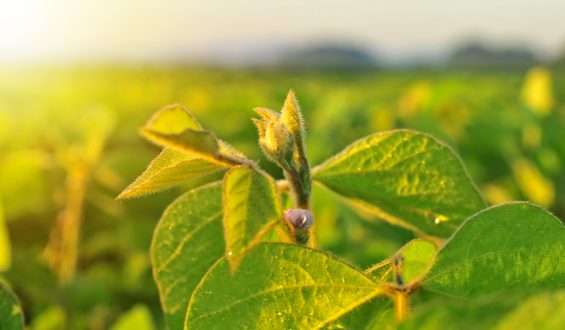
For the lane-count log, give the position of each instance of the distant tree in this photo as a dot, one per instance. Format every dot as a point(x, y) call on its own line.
point(559, 61)
point(480, 56)
point(329, 56)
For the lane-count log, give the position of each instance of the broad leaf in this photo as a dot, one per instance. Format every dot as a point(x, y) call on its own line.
point(173, 119)
point(176, 127)
point(172, 168)
point(417, 257)
point(251, 209)
point(539, 311)
point(278, 286)
point(514, 246)
point(200, 143)
point(187, 241)
point(11, 316)
point(404, 177)
point(378, 313)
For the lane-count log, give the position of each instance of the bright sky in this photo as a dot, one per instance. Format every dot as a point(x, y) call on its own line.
point(149, 30)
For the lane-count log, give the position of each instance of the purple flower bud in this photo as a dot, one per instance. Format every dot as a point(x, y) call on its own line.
point(299, 218)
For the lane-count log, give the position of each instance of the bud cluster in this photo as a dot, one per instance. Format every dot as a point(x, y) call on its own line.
point(274, 138)
point(281, 137)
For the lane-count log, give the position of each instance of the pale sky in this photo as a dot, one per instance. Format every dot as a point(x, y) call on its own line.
point(156, 30)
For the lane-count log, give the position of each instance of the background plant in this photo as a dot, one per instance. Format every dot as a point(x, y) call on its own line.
point(405, 177)
point(494, 129)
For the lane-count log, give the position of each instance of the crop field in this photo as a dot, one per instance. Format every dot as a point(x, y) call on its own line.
point(70, 143)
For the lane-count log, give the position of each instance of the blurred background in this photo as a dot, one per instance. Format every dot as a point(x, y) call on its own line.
point(77, 78)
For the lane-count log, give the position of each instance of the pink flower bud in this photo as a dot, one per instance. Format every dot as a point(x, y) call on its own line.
point(299, 218)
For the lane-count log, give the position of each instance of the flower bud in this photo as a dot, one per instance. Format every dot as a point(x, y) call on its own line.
point(274, 137)
point(299, 218)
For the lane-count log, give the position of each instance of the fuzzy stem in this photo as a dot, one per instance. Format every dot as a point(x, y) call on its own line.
point(300, 183)
point(401, 305)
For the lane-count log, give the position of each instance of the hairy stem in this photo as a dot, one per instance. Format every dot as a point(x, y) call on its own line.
point(401, 305)
point(300, 183)
point(61, 252)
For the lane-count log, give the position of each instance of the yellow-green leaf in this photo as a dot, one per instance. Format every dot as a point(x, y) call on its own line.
point(279, 286)
point(187, 241)
point(416, 257)
point(11, 316)
point(499, 312)
point(404, 177)
point(251, 209)
point(173, 119)
point(201, 143)
point(170, 169)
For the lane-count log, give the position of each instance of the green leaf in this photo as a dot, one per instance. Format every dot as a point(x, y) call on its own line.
point(138, 318)
point(406, 178)
point(173, 119)
point(11, 316)
point(370, 315)
point(418, 256)
point(200, 143)
point(251, 209)
point(172, 168)
point(514, 246)
point(539, 311)
point(381, 271)
point(187, 241)
point(176, 127)
point(417, 259)
point(278, 286)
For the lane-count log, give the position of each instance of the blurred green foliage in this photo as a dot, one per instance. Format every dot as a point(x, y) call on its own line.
point(509, 128)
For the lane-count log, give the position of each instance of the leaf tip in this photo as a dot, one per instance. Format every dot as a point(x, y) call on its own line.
point(233, 260)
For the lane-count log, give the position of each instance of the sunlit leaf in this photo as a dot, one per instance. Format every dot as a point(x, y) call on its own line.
point(416, 259)
point(278, 286)
point(404, 177)
point(173, 119)
point(138, 318)
point(172, 168)
point(200, 143)
point(176, 127)
point(539, 311)
point(187, 241)
point(504, 248)
point(251, 209)
point(370, 315)
point(11, 316)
